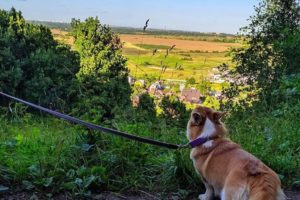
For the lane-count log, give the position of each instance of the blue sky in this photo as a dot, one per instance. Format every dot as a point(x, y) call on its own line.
point(191, 15)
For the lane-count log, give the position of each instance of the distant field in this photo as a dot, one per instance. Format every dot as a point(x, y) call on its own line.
point(62, 36)
point(189, 58)
point(180, 43)
point(179, 65)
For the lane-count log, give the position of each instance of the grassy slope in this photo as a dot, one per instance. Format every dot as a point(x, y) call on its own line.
point(274, 139)
point(53, 155)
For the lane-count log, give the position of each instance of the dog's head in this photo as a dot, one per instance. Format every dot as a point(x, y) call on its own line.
point(205, 122)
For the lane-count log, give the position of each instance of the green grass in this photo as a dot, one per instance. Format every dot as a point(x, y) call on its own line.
point(197, 65)
point(50, 155)
point(152, 46)
point(274, 138)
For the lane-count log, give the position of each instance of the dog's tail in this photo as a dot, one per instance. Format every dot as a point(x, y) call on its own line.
point(267, 194)
point(264, 183)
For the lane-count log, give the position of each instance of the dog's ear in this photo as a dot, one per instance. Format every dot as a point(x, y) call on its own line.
point(217, 116)
point(196, 117)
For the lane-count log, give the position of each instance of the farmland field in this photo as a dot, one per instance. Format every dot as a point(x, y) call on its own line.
point(189, 58)
point(182, 44)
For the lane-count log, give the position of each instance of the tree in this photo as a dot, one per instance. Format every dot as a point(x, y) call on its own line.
point(173, 111)
point(190, 81)
point(260, 64)
point(146, 107)
point(49, 77)
point(33, 65)
point(103, 74)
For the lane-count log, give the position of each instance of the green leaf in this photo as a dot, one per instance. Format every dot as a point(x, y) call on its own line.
point(28, 185)
point(78, 181)
point(88, 180)
point(48, 181)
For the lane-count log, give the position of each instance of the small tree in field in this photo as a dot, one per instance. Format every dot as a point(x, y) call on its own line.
point(103, 73)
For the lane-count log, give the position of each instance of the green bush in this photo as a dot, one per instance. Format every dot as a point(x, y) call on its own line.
point(33, 66)
point(146, 107)
point(103, 73)
point(270, 52)
point(173, 111)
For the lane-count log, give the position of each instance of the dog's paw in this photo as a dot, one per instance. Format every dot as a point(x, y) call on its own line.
point(204, 197)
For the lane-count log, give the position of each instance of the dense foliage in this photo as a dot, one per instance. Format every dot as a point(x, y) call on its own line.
point(174, 111)
point(146, 107)
point(270, 51)
point(263, 97)
point(48, 155)
point(103, 73)
point(51, 156)
point(34, 66)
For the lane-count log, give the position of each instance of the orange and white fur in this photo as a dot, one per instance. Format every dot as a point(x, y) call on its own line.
point(227, 170)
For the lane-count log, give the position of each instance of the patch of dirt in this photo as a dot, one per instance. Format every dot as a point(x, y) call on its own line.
point(292, 195)
point(25, 195)
point(180, 44)
point(137, 195)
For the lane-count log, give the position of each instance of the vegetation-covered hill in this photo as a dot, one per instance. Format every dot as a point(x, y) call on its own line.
point(46, 155)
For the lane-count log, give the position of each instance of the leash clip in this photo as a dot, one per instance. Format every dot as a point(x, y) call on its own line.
point(184, 146)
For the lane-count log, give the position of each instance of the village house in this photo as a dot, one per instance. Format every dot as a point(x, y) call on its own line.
point(156, 89)
point(216, 77)
point(136, 98)
point(131, 80)
point(216, 94)
point(191, 95)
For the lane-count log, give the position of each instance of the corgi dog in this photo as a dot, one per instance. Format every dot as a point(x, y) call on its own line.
point(227, 171)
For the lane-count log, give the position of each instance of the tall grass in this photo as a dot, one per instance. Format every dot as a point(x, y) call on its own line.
point(45, 154)
point(49, 155)
point(273, 136)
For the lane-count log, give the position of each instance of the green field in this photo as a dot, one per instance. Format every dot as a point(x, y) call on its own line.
point(180, 64)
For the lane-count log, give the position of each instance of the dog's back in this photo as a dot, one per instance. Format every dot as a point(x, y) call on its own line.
point(240, 175)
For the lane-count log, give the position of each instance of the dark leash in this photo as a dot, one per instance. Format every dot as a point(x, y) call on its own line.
point(97, 127)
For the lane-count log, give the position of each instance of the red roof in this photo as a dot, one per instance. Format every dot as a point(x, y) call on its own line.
point(190, 95)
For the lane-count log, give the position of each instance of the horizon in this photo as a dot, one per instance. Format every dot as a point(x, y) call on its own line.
point(191, 16)
point(131, 27)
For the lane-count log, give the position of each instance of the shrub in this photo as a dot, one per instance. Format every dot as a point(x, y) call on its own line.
point(33, 66)
point(173, 111)
point(270, 38)
point(146, 107)
point(102, 74)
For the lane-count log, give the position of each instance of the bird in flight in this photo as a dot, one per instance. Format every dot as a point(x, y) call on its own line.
point(146, 24)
